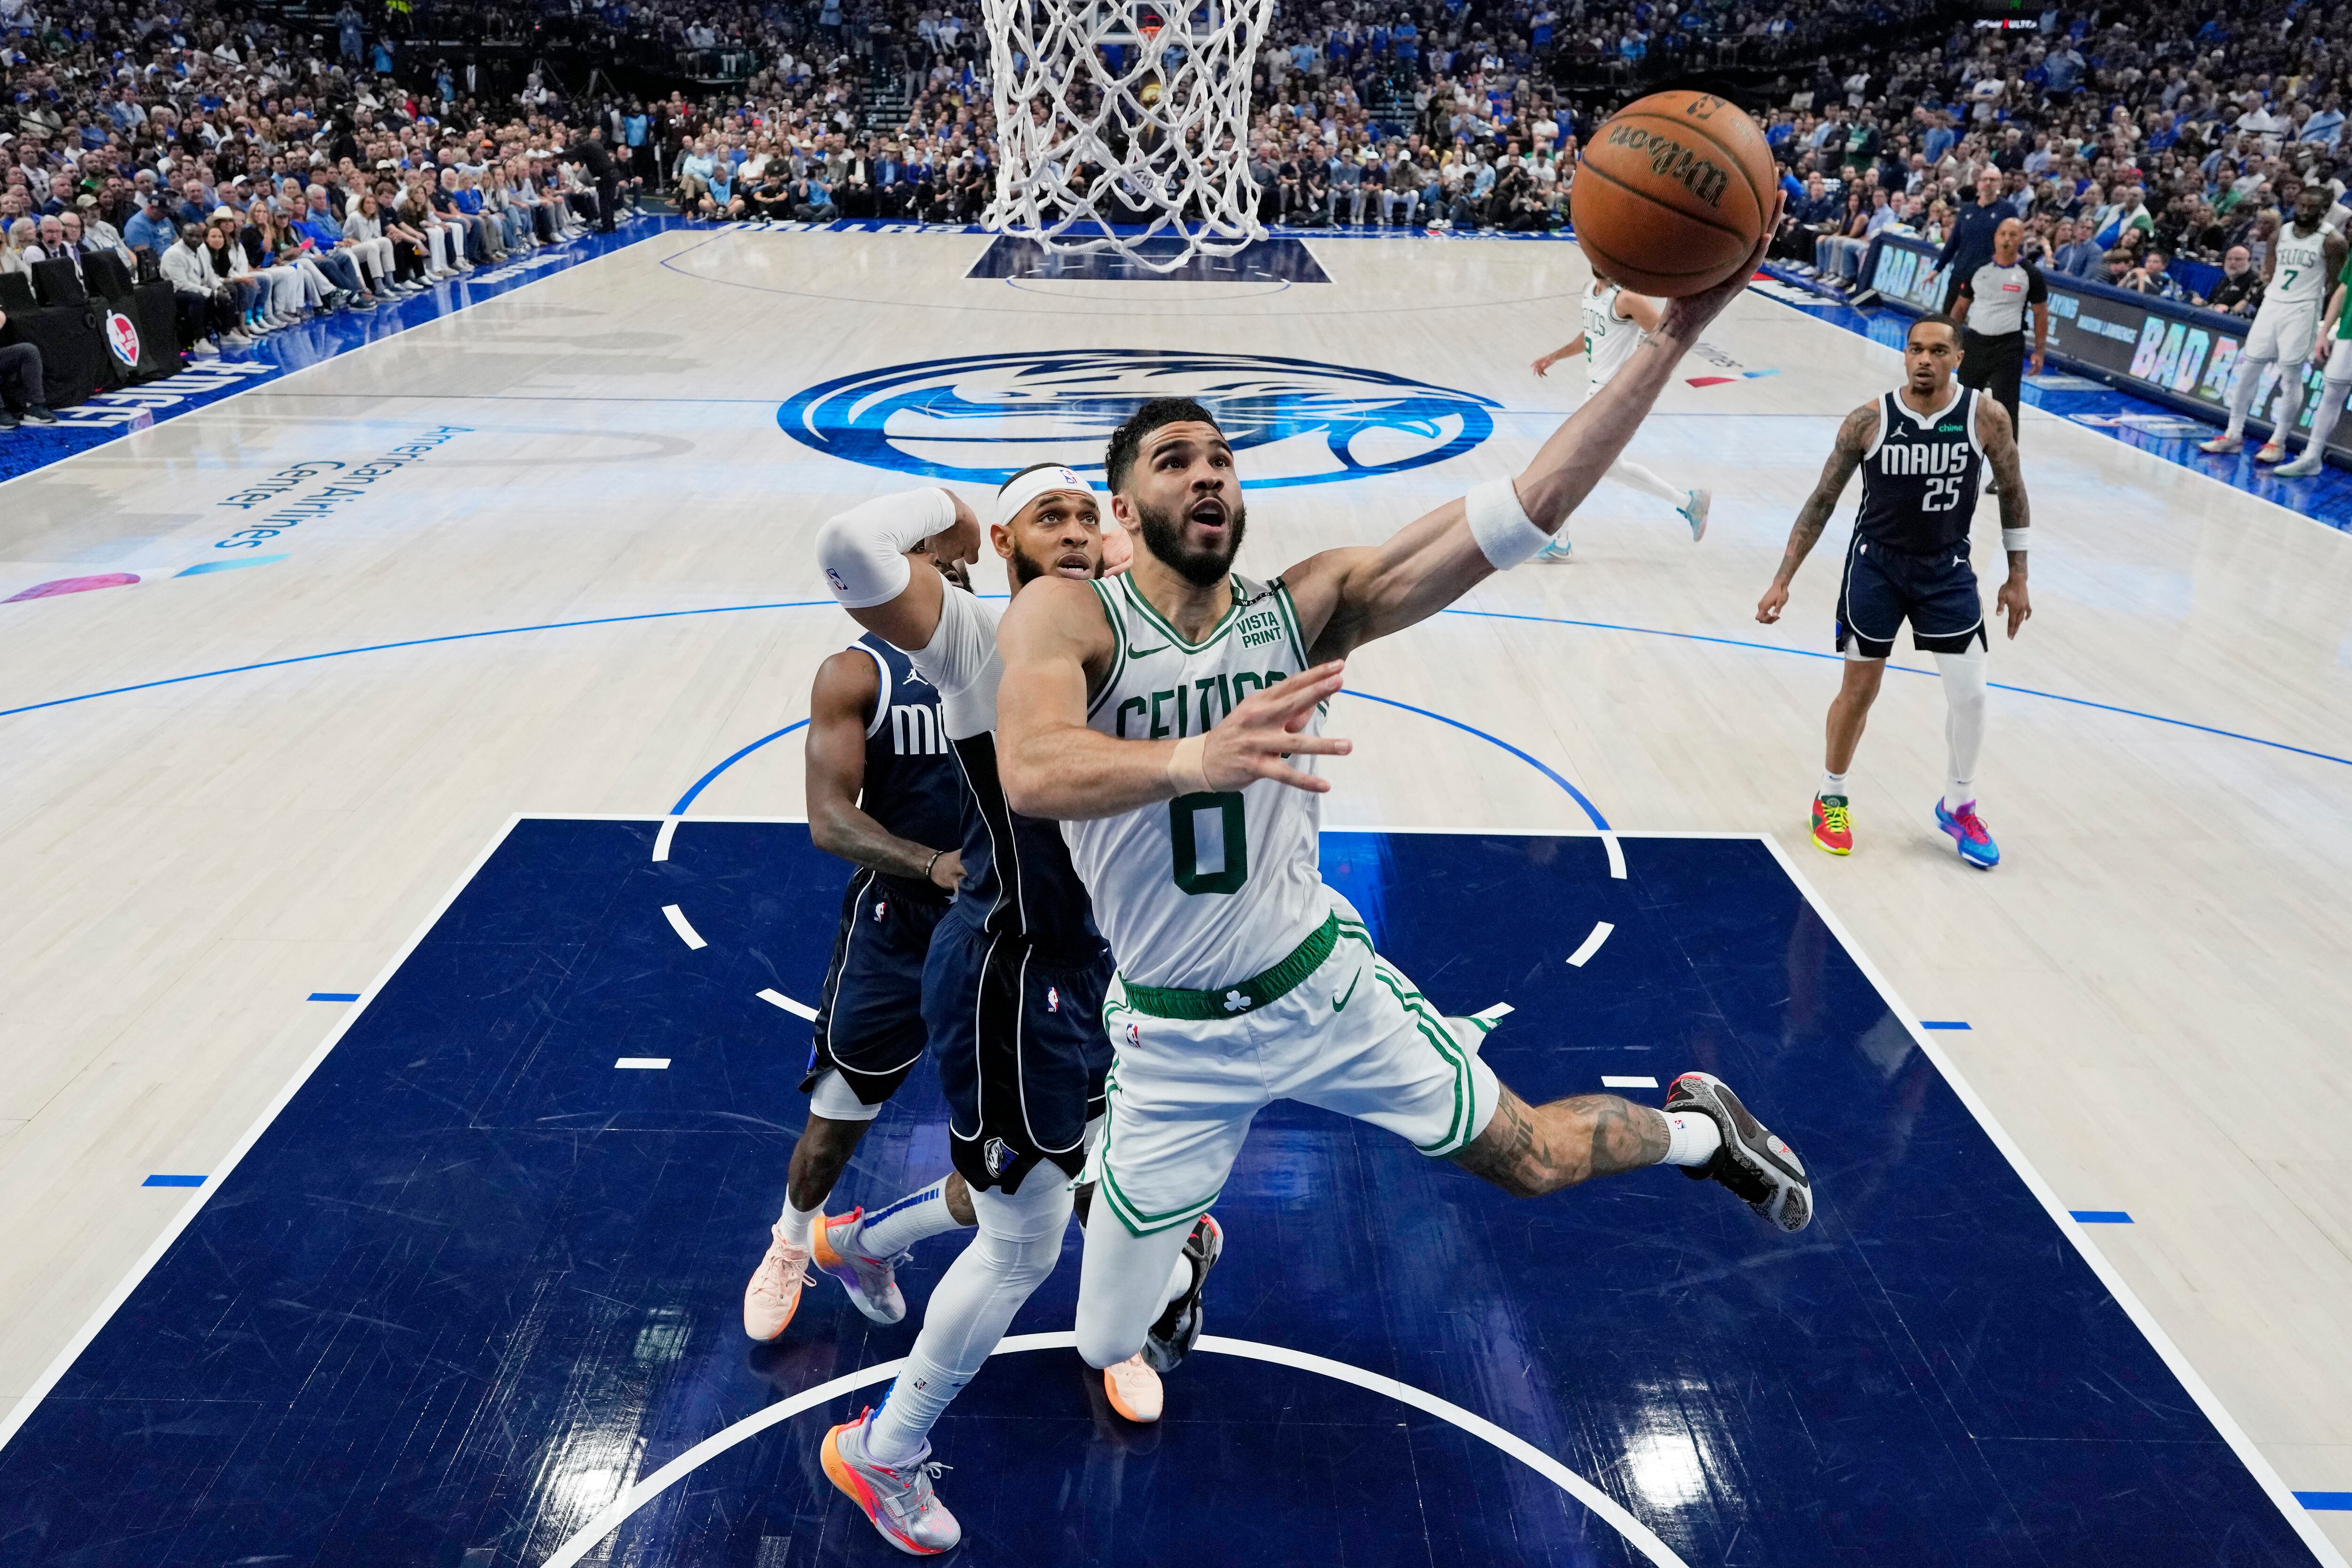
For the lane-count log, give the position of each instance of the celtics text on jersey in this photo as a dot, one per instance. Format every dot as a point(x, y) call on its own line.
point(1213, 887)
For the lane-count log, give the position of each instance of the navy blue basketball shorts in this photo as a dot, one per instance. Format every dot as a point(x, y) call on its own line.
point(869, 1021)
point(1021, 1052)
point(1884, 587)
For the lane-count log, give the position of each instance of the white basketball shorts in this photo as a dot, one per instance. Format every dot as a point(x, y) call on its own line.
point(2283, 333)
point(1354, 1036)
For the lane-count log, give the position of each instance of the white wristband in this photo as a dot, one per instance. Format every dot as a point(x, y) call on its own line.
point(1500, 524)
point(863, 550)
point(2014, 540)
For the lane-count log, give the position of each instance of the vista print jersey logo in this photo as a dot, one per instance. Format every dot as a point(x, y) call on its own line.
point(979, 419)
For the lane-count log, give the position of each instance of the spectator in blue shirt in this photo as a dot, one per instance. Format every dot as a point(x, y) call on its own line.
point(150, 228)
point(2082, 255)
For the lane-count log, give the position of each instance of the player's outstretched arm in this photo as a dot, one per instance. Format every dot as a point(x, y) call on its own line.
point(1573, 345)
point(865, 552)
point(1853, 439)
point(1053, 766)
point(1345, 598)
point(1998, 439)
point(841, 703)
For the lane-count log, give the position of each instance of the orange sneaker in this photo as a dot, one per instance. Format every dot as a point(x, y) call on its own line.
point(1832, 827)
point(774, 1293)
point(1134, 1389)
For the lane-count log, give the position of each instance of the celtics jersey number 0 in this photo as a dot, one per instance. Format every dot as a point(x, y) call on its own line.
point(1206, 889)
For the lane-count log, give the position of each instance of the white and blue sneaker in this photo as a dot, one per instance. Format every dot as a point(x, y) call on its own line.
point(1694, 512)
point(1554, 553)
point(872, 1282)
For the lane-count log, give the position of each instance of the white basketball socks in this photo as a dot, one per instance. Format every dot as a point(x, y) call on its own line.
point(2330, 408)
point(2289, 405)
point(2242, 395)
point(1832, 785)
point(917, 1217)
point(1692, 1138)
point(799, 1224)
point(1964, 723)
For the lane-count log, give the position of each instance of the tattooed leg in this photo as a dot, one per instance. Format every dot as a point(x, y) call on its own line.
point(1530, 1150)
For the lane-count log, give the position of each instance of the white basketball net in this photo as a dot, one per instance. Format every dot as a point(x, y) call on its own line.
point(1159, 141)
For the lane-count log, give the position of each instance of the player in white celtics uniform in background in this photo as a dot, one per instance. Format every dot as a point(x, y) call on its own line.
point(2331, 353)
point(2304, 260)
point(1615, 324)
point(1171, 721)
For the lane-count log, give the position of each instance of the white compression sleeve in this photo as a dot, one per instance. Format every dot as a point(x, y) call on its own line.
point(1964, 722)
point(863, 550)
point(1635, 477)
point(1019, 1239)
point(2242, 395)
point(2325, 413)
point(2289, 405)
point(1122, 1285)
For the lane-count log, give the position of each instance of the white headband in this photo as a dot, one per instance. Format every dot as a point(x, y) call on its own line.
point(1038, 481)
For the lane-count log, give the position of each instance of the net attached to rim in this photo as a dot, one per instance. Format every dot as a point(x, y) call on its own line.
point(1117, 114)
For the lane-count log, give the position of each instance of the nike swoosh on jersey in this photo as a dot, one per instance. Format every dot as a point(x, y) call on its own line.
point(1135, 652)
point(1340, 1001)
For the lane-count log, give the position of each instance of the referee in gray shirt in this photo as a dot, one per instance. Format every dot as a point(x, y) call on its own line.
point(1989, 305)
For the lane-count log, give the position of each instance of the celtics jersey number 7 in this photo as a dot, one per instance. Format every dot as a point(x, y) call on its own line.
point(1209, 888)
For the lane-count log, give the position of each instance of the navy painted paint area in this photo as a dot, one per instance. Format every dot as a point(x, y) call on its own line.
point(472, 1281)
point(1260, 261)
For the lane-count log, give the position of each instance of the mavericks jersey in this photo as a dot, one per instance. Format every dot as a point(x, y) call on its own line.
point(1921, 476)
point(2299, 281)
point(912, 787)
point(1209, 889)
point(1610, 339)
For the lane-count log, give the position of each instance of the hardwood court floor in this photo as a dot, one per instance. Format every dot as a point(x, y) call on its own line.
point(594, 467)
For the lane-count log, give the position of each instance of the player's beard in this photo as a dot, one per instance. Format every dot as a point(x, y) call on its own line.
point(1027, 570)
point(1163, 536)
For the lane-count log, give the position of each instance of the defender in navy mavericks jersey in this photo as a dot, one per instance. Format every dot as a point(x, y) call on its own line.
point(1923, 452)
point(884, 793)
point(1013, 992)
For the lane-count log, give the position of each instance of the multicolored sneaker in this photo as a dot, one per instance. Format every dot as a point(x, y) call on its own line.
point(1133, 1389)
point(2270, 452)
point(1761, 1170)
point(1833, 824)
point(1694, 512)
point(2222, 445)
point(872, 1282)
point(1172, 1337)
point(1554, 553)
point(1968, 832)
point(897, 1499)
point(774, 1292)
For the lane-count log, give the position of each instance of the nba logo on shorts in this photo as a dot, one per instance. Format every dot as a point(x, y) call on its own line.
point(121, 337)
point(1052, 1000)
point(881, 908)
point(1135, 1034)
point(996, 1155)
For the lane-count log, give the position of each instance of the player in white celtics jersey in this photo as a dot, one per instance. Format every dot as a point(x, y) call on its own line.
point(2302, 262)
point(1616, 322)
point(1171, 721)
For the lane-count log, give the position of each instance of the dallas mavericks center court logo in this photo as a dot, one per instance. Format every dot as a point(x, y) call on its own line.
point(981, 418)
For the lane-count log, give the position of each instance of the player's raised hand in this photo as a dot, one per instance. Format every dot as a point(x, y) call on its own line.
point(1251, 742)
point(960, 540)
point(1685, 318)
point(2013, 602)
point(1775, 599)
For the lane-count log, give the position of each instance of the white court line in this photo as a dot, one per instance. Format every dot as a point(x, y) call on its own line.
point(686, 933)
point(2298, 1517)
point(1627, 1081)
point(1584, 955)
point(1616, 854)
point(617, 1512)
point(14, 1420)
point(644, 1064)
point(798, 1010)
point(662, 838)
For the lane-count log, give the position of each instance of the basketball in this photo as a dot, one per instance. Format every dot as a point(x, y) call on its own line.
point(1671, 194)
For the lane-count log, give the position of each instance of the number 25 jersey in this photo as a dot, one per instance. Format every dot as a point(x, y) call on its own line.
point(1207, 889)
point(1921, 476)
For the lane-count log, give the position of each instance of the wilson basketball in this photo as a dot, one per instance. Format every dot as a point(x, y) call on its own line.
point(1671, 194)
